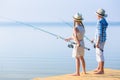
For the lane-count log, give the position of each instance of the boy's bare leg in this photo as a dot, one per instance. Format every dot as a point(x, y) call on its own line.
point(98, 67)
point(101, 70)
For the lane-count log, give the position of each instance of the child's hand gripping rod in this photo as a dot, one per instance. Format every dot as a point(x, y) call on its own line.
point(94, 45)
point(73, 43)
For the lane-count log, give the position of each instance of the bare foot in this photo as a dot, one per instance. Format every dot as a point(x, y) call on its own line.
point(99, 72)
point(83, 73)
point(74, 74)
point(95, 70)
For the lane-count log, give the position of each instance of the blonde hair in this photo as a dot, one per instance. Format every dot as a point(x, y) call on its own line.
point(80, 23)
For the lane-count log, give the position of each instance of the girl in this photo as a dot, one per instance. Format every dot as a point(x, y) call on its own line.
point(78, 50)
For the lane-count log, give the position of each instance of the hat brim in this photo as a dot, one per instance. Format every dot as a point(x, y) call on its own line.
point(104, 15)
point(77, 19)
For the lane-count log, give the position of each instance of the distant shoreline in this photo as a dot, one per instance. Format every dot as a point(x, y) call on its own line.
point(53, 23)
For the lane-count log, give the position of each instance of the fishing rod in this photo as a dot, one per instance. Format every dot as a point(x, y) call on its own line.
point(94, 45)
point(57, 36)
point(92, 42)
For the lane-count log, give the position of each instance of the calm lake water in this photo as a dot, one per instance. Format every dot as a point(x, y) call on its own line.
point(26, 53)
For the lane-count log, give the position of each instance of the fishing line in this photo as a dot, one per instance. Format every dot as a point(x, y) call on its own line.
point(94, 45)
point(72, 27)
point(57, 36)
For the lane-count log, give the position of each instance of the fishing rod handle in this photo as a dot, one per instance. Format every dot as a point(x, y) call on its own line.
point(71, 46)
point(99, 48)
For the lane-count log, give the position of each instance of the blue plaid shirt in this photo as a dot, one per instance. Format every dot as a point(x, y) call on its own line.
point(101, 29)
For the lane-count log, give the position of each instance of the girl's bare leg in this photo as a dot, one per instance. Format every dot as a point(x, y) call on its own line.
point(83, 64)
point(77, 73)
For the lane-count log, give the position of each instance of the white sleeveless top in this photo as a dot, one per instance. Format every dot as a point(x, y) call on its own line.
point(79, 51)
point(81, 32)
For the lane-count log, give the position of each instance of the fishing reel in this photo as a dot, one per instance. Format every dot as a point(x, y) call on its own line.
point(70, 45)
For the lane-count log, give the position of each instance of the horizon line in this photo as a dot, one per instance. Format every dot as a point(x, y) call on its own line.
point(116, 23)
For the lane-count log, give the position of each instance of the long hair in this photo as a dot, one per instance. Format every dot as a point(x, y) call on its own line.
point(80, 23)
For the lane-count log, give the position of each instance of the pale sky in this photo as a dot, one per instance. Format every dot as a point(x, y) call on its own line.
point(57, 10)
